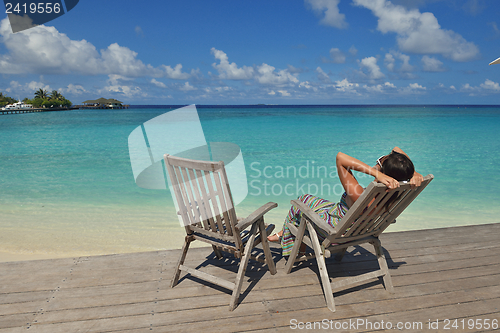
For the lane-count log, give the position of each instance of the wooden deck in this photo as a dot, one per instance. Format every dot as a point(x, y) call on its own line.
point(35, 110)
point(441, 274)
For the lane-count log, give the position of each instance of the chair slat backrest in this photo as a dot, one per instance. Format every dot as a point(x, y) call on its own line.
point(201, 189)
point(375, 210)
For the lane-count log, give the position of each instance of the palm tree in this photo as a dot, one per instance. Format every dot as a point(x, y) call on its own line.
point(55, 95)
point(42, 94)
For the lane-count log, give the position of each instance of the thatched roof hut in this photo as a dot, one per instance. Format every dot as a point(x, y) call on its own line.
point(104, 101)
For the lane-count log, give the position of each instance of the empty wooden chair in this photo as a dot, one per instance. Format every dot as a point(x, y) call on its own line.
point(206, 208)
point(368, 217)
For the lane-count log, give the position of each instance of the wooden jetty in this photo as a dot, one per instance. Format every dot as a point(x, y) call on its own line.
point(75, 107)
point(443, 278)
point(34, 110)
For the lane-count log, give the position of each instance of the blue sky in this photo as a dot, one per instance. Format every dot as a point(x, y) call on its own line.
point(250, 52)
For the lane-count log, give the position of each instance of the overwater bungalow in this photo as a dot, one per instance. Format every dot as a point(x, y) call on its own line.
point(103, 103)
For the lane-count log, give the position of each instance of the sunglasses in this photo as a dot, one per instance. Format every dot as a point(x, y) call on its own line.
point(381, 160)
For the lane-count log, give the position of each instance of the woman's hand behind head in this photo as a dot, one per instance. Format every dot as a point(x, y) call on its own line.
point(388, 181)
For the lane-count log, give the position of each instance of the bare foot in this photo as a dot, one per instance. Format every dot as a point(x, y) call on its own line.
point(276, 238)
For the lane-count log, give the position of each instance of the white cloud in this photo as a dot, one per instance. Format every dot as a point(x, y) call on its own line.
point(490, 85)
point(474, 7)
point(307, 85)
point(266, 75)
point(337, 56)
point(494, 27)
point(390, 62)
point(29, 87)
point(115, 79)
point(467, 87)
point(263, 74)
point(431, 64)
point(413, 88)
point(14, 85)
point(449, 89)
point(158, 83)
point(377, 88)
point(404, 69)
point(372, 69)
point(223, 89)
point(126, 90)
point(138, 31)
point(346, 86)
point(380, 88)
point(416, 86)
point(294, 70)
point(353, 50)
point(122, 85)
point(121, 60)
point(73, 89)
point(44, 50)
point(284, 93)
point(187, 87)
point(230, 70)
point(419, 32)
point(332, 15)
point(405, 66)
point(322, 76)
point(176, 72)
point(33, 85)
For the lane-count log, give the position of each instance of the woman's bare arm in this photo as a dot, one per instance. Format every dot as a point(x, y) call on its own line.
point(346, 163)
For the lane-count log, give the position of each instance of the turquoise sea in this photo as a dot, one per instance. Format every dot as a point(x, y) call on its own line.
point(67, 187)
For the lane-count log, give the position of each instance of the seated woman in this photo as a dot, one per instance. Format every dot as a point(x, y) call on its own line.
point(389, 170)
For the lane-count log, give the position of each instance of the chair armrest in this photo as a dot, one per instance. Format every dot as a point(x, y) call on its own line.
point(313, 216)
point(242, 225)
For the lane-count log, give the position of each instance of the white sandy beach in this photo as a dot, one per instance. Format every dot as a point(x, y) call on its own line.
point(63, 232)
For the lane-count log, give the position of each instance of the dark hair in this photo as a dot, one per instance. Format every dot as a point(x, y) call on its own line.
point(398, 166)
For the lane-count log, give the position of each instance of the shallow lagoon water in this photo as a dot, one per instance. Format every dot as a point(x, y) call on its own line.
point(67, 186)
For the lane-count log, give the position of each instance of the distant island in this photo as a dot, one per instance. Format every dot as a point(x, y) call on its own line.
point(42, 99)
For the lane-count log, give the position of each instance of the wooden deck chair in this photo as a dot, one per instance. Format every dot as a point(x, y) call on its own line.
point(206, 208)
point(368, 217)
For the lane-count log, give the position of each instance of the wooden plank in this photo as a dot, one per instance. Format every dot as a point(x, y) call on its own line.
point(451, 275)
point(441, 309)
point(421, 264)
point(174, 312)
point(188, 163)
point(223, 303)
point(208, 277)
point(13, 321)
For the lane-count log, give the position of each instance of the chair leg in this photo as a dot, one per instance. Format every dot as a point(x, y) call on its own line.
point(323, 272)
point(242, 269)
point(265, 246)
point(383, 265)
point(341, 254)
point(296, 245)
point(177, 272)
point(217, 252)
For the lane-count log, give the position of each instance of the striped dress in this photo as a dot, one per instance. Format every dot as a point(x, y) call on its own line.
point(331, 212)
